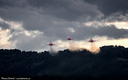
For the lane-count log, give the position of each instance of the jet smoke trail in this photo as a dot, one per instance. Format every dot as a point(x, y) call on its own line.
point(94, 49)
point(72, 45)
point(75, 46)
point(79, 46)
point(52, 51)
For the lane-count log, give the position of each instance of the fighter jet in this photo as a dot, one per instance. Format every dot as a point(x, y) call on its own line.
point(69, 38)
point(91, 40)
point(51, 44)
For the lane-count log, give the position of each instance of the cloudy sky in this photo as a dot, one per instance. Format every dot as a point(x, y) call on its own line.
point(31, 24)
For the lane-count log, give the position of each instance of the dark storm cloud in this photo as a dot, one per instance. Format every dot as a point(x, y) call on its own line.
point(4, 25)
point(110, 6)
point(15, 14)
point(73, 10)
point(49, 16)
point(4, 3)
point(67, 9)
point(43, 14)
point(13, 3)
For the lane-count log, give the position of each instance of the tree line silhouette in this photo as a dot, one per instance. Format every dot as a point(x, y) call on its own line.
point(110, 63)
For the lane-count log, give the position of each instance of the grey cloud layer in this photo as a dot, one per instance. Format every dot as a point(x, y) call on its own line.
point(25, 42)
point(110, 31)
point(45, 15)
point(60, 9)
point(51, 17)
point(40, 41)
point(67, 9)
point(55, 17)
point(48, 13)
point(87, 32)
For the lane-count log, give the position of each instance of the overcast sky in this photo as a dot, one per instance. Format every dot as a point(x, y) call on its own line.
point(31, 24)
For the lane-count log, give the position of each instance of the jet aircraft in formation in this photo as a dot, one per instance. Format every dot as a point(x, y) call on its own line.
point(51, 44)
point(69, 38)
